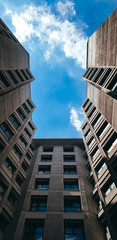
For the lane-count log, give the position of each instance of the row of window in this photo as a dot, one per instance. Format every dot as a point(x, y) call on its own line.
point(65, 149)
point(66, 158)
point(10, 77)
point(69, 184)
point(46, 169)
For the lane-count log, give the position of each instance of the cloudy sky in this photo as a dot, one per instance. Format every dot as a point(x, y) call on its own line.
point(55, 33)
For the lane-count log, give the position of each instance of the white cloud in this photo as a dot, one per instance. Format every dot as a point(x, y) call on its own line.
point(74, 119)
point(66, 8)
point(32, 21)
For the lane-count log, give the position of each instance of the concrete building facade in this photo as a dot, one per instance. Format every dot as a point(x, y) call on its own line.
point(100, 127)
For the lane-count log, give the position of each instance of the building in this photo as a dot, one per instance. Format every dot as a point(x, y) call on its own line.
point(16, 126)
point(100, 127)
point(57, 197)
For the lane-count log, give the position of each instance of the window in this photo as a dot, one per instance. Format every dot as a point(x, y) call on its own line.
point(19, 180)
point(4, 80)
point(14, 121)
point(68, 149)
point(34, 230)
point(12, 77)
point(102, 166)
point(38, 204)
point(109, 188)
point(24, 166)
point(17, 151)
point(22, 140)
point(28, 156)
point(19, 76)
point(12, 198)
point(27, 132)
point(72, 204)
point(25, 108)
point(31, 126)
point(70, 184)
point(3, 223)
point(2, 145)
point(44, 169)
point(9, 165)
point(42, 184)
point(29, 103)
point(73, 230)
point(24, 74)
point(28, 73)
point(21, 114)
point(69, 169)
point(47, 149)
point(5, 130)
point(69, 158)
point(3, 188)
point(46, 158)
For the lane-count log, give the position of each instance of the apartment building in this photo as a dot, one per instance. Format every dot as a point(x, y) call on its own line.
point(16, 126)
point(100, 127)
point(57, 201)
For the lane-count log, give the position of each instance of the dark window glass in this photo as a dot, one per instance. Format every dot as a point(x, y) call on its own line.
point(44, 169)
point(73, 230)
point(3, 188)
point(2, 145)
point(29, 103)
point(24, 166)
point(5, 130)
point(46, 158)
point(9, 165)
point(3, 223)
point(28, 156)
point(19, 180)
point(70, 170)
point(27, 132)
point(28, 73)
point(34, 230)
point(14, 121)
point(21, 114)
point(17, 151)
point(69, 158)
point(22, 140)
point(70, 184)
point(31, 126)
point(24, 74)
point(38, 204)
point(72, 204)
point(4, 80)
point(47, 149)
point(42, 184)
point(12, 77)
point(12, 198)
point(25, 108)
point(19, 76)
point(68, 149)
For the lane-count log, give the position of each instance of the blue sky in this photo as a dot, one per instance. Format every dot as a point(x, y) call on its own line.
point(55, 32)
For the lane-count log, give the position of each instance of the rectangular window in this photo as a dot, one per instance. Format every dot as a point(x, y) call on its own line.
point(69, 158)
point(68, 149)
point(17, 151)
point(29, 103)
point(74, 229)
point(12, 198)
point(24, 166)
point(46, 158)
point(19, 76)
point(29, 73)
point(47, 149)
point(19, 180)
point(28, 156)
point(2, 145)
point(44, 169)
point(34, 230)
point(27, 132)
point(9, 165)
point(69, 169)
point(21, 114)
point(5, 130)
point(24, 74)
point(108, 188)
point(3, 188)
point(12, 77)
point(71, 184)
point(25, 108)
point(31, 126)
point(14, 121)
point(22, 140)
point(38, 204)
point(4, 80)
point(42, 184)
point(72, 204)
